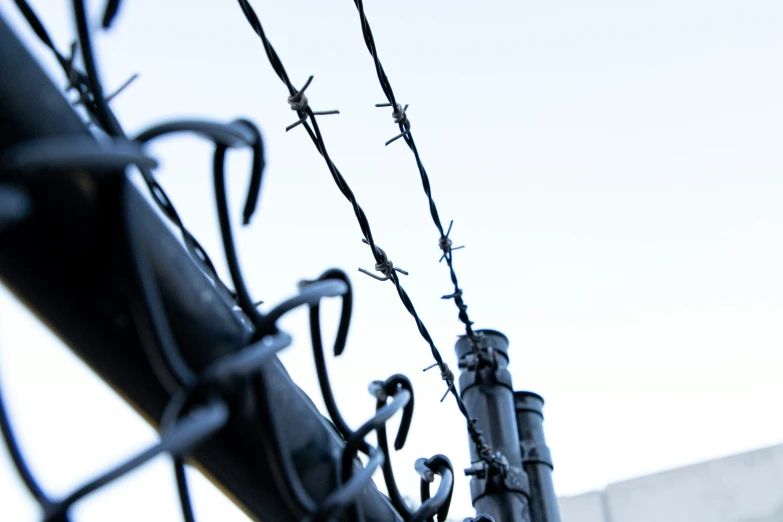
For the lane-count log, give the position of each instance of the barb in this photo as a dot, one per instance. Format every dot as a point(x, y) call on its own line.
point(446, 374)
point(122, 87)
point(400, 118)
point(384, 266)
point(402, 121)
point(76, 80)
point(444, 243)
point(298, 102)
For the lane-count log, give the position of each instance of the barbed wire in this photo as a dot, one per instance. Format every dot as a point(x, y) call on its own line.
point(307, 118)
point(399, 113)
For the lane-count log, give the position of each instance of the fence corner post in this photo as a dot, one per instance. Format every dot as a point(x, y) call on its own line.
point(486, 389)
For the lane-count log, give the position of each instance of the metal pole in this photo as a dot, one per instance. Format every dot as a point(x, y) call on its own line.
point(486, 389)
point(536, 458)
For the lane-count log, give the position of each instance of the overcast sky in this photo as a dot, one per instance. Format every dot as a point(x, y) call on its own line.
point(612, 166)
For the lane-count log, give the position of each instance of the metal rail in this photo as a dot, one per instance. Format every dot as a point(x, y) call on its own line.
point(69, 262)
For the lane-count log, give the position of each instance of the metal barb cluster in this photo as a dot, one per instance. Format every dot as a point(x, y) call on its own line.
point(400, 118)
point(445, 244)
point(384, 266)
point(446, 374)
point(298, 102)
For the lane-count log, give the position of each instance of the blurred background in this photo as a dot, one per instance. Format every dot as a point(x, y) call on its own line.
point(613, 168)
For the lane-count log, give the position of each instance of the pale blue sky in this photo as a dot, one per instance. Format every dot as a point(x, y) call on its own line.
point(613, 168)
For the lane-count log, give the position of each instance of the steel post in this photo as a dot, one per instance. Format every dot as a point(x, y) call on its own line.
point(536, 458)
point(486, 389)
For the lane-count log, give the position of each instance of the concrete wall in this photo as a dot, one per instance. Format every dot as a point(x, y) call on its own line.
point(740, 488)
point(583, 508)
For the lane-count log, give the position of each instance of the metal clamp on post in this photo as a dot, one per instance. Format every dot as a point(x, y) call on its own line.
point(535, 453)
point(499, 486)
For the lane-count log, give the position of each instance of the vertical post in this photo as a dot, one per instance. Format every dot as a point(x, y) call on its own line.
point(486, 389)
point(536, 458)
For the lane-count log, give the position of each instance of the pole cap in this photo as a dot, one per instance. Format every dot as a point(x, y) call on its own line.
point(529, 401)
point(493, 338)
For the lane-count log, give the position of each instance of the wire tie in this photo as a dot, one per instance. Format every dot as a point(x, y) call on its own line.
point(444, 243)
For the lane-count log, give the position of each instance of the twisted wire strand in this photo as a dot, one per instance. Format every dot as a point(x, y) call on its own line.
point(382, 262)
point(401, 118)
